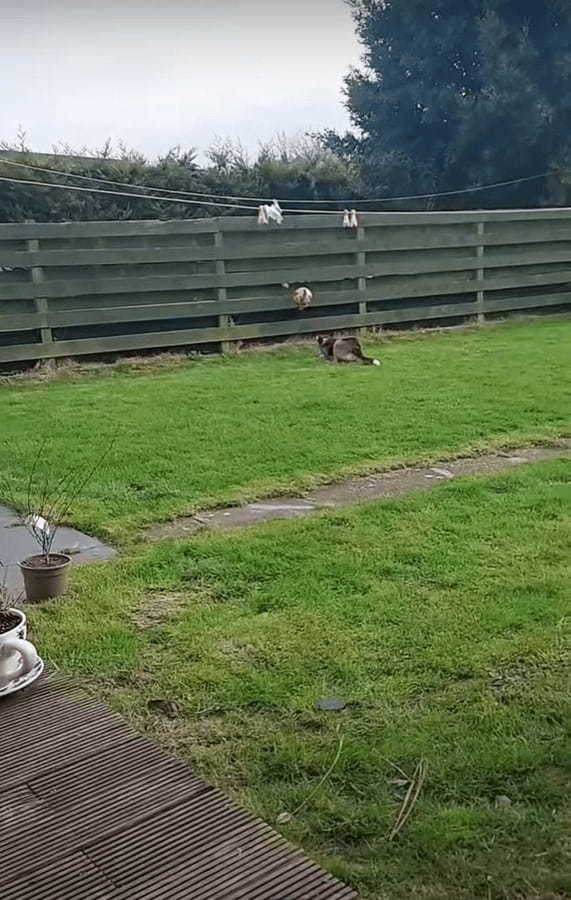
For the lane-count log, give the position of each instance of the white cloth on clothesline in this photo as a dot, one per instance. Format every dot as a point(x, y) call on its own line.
point(270, 213)
point(350, 219)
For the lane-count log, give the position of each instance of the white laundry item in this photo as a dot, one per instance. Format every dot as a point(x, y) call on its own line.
point(270, 213)
point(275, 213)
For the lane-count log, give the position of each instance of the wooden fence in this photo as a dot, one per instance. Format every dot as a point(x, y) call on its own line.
point(112, 287)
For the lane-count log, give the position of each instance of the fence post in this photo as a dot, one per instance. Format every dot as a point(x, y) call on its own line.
point(224, 321)
point(361, 281)
point(40, 303)
point(480, 274)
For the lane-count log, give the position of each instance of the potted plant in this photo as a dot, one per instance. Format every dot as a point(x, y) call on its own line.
point(46, 574)
point(48, 501)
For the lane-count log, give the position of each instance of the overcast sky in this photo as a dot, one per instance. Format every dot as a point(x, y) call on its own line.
point(162, 72)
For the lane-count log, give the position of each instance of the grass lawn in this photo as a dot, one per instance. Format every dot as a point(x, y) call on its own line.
point(216, 431)
point(440, 619)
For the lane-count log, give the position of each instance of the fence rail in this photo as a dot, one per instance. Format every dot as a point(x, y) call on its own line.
point(106, 287)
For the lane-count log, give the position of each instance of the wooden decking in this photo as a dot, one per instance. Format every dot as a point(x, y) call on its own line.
point(91, 811)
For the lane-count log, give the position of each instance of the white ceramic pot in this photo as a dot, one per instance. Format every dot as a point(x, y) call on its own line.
point(20, 631)
point(18, 657)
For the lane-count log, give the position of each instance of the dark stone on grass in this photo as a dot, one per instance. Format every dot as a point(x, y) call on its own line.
point(164, 708)
point(331, 704)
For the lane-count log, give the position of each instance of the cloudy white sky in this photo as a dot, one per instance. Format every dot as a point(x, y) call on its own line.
point(156, 73)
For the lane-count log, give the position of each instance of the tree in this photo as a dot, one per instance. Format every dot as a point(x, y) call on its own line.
point(457, 94)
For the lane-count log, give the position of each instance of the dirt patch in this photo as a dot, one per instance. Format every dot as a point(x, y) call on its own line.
point(235, 650)
point(51, 561)
point(514, 680)
point(158, 608)
point(377, 486)
point(238, 654)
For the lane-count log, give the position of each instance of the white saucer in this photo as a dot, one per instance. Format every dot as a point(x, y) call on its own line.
point(24, 681)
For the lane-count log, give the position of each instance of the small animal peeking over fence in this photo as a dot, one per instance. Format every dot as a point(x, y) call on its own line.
point(302, 298)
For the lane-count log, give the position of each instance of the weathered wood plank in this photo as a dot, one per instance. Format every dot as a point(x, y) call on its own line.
point(164, 255)
point(164, 311)
point(406, 266)
point(21, 352)
point(416, 287)
point(46, 230)
point(412, 286)
point(102, 286)
point(497, 304)
point(421, 313)
point(428, 237)
point(248, 223)
point(158, 309)
point(22, 322)
point(391, 239)
point(134, 228)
